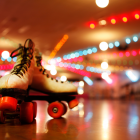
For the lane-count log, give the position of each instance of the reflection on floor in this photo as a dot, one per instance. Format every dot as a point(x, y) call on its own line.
point(91, 120)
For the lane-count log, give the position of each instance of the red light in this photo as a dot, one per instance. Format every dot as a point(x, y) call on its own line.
point(134, 53)
point(127, 54)
point(92, 26)
point(113, 21)
point(121, 54)
point(137, 16)
point(124, 19)
point(80, 59)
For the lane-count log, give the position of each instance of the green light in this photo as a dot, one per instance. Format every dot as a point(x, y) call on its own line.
point(130, 62)
point(119, 62)
point(124, 62)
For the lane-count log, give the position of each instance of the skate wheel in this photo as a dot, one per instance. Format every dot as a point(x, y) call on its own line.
point(34, 109)
point(26, 112)
point(56, 109)
point(65, 108)
point(73, 103)
point(2, 117)
point(8, 103)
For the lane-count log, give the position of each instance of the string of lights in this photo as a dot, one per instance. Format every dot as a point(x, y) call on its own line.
point(115, 19)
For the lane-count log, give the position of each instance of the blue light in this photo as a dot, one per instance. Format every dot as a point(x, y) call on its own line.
point(135, 38)
point(117, 43)
point(15, 59)
point(65, 57)
point(81, 53)
point(73, 65)
point(76, 54)
point(88, 68)
point(72, 55)
point(81, 67)
point(68, 56)
point(9, 59)
point(88, 81)
point(59, 59)
point(2, 59)
point(92, 69)
point(110, 45)
point(65, 64)
point(94, 49)
point(85, 52)
point(77, 66)
point(128, 40)
point(89, 51)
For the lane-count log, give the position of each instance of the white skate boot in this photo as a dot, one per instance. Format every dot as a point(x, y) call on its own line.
point(59, 91)
point(14, 85)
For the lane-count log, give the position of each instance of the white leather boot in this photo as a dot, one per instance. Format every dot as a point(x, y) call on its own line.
point(44, 83)
point(15, 84)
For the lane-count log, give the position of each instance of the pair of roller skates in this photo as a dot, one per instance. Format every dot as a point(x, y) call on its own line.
point(28, 73)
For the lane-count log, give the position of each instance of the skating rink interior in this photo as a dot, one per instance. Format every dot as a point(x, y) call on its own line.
point(92, 119)
point(71, 32)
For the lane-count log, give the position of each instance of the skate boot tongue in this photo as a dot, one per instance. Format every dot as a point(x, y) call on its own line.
point(24, 56)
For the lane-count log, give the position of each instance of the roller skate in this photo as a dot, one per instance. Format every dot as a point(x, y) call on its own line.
point(56, 90)
point(14, 86)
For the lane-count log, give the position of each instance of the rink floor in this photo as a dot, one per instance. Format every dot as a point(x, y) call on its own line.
point(91, 120)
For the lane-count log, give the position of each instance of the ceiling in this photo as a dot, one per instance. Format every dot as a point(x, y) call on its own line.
point(46, 22)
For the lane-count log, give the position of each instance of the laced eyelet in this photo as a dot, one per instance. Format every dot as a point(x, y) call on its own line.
point(26, 55)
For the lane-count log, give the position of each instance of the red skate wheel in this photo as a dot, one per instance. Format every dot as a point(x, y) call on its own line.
point(2, 117)
point(65, 107)
point(8, 103)
point(56, 109)
point(26, 112)
point(34, 109)
point(73, 103)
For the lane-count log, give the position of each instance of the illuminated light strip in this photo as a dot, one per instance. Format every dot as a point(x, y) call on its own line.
point(58, 46)
point(6, 67)
point(115, 19)
point(92, 50)
point(88, 81)
point(81, 72)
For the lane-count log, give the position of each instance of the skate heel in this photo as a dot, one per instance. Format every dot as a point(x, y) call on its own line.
point(8, 103)
point(73, 103)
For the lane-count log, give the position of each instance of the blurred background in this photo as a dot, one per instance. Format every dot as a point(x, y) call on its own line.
point(93, 43)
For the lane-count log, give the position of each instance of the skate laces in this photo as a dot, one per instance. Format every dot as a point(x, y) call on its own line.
point(26, 55)
point(38, 61)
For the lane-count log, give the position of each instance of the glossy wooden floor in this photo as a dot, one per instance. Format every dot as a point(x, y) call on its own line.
point(92, 120)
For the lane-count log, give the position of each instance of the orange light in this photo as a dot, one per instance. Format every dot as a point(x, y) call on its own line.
point(92, 26)
point(113, 21)
point(137, 16)
point(124, 19)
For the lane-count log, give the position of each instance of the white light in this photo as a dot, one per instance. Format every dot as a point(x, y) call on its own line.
point(103, 46)
point(132, 75)
point(48, 67)
point(106, 77)
point(81, 84)
point(104, 65)
point(102, 3)
point(63, 78)
point(80, 91)
point(5, 54)
point(53, 72)
point(102, 22)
